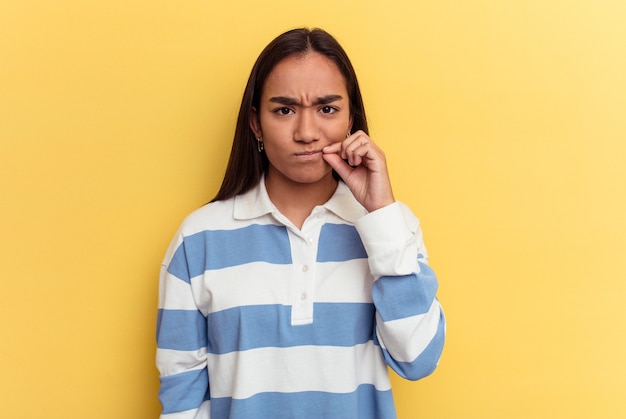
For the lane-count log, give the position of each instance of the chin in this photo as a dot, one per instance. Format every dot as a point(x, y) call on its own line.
point(311, 178)
point(302, 175)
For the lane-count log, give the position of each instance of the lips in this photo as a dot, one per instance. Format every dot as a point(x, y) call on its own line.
point(308, 153)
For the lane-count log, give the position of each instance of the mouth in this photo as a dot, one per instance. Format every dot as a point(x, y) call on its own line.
point(308, 154)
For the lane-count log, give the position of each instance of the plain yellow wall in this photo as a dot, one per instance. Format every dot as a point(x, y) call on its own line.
point(504, 122)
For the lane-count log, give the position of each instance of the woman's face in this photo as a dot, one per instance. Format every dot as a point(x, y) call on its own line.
point(304, 107)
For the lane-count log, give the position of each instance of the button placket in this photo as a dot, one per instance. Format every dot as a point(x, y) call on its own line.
point(303, 284)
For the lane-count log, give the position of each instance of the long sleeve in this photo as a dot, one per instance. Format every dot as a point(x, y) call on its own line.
point(181, 340)
point(410, 325)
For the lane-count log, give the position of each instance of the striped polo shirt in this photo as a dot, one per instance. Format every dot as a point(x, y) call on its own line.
point(260, 319)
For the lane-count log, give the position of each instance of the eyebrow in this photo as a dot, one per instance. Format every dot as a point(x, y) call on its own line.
point(289, 101)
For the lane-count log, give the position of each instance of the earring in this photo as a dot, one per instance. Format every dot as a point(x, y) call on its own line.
point(259, 144)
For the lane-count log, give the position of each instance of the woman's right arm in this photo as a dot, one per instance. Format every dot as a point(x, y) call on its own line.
point(181, 341)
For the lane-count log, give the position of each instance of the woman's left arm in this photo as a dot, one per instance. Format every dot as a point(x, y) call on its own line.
point(410, 321)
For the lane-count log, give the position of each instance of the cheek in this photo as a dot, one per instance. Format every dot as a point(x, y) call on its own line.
point(274, 128)
point(337, 131)
point(276, 143)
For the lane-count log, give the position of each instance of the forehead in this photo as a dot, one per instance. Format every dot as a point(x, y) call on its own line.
point(310, 75)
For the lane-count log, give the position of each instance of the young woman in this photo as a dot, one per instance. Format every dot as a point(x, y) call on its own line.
point(292, 291)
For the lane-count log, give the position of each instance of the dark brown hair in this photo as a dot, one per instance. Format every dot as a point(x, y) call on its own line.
point(246, 165)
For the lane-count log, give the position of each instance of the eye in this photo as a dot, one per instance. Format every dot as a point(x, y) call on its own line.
point(328, 109)
point(283, 111)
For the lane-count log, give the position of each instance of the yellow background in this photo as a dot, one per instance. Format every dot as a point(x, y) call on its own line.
point(504, 122)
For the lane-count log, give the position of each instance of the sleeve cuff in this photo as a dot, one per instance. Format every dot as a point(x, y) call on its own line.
point(389, 238)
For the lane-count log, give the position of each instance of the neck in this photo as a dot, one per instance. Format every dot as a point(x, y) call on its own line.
point(297, 200)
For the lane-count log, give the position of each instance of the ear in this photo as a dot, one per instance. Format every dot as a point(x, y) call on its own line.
point(255, 123)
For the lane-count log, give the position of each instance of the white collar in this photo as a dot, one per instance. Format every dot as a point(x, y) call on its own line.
point(255, 203)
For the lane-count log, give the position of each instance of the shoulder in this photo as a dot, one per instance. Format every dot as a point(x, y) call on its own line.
point(239, 211)
point(212, 216)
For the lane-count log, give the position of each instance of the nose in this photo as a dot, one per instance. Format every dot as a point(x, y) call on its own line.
point(307, 129)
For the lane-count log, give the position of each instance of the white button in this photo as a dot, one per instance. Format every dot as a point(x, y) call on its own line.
point(310, 240)
point(305, 268)
point(303, 296)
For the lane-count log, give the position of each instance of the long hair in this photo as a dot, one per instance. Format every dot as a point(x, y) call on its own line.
point(246, 164)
